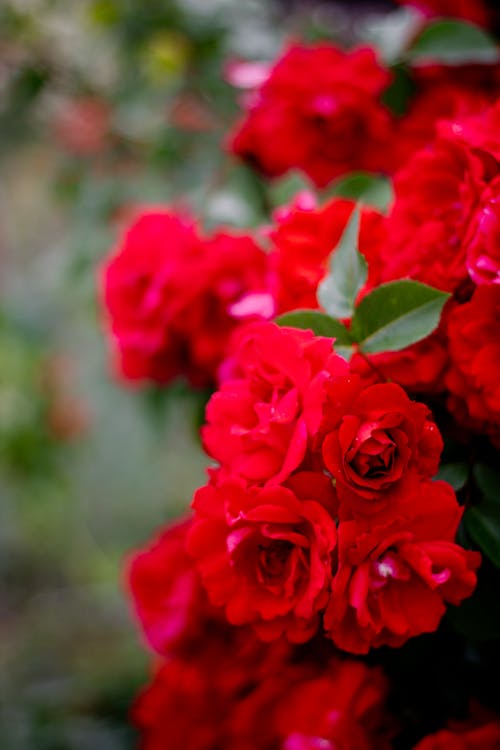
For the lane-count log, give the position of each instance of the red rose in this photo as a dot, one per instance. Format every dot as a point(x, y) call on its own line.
point(168, 597)
point(376, 439)
point(474, 347)
point(478, 132)
point(266, 554)
point(418, 368)
point(304, 237)
point(393, 579)
point(483, 737)
point(192, 700)
point(442, 93)
point(258, 423)
point(436, 193)
point(319, 110)
point(341, 709)
point(483, 241)
point(172, 298)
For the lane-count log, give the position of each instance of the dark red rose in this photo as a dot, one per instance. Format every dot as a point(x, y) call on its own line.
point(266, 554)
point(483, 239)
point(259, 421)
point(375, 440)
point(172, 299)
point(483, 737)
point(304, 237)
point(342, 709)
point(394, 578)
point(191, 701)
point(474, 348)
point(319, 111)
point(167, 594)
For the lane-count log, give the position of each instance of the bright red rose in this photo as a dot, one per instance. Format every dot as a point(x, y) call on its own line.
point(438, 97)
point(376, 440)
point(304, 237)
point(479, 132)
point(483, 737)
point(436, 193)
point(172, 299)
point(419, 368)
point(483, 240)
point(167, 594)
point(319, 110)
point(474, 347)
point(394, 578)
point(342, 709)
point(259, 421)
point(266, 554)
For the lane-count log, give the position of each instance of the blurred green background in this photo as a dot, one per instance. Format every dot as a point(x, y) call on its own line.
point(103, 104)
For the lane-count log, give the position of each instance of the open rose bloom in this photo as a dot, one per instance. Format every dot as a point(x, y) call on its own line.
point(334, 583)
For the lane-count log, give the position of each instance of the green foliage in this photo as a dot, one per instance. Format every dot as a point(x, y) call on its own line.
point(395, 315)
point(283, 191)
point(478, 618)
point(348, 272)
point(398, 95)
point(455, 474)
point(482, 521)
point(317, 322)
point(453, 42)
point(370, 189)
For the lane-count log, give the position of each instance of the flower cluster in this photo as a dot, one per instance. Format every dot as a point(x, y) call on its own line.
point(323, 505)
point(322, 531)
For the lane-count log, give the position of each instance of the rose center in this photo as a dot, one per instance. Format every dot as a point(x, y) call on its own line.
point(273, 559)
point(375, 457)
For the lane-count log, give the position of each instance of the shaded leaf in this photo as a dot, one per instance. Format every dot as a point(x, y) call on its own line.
point(395, 315)
point(482, 521)
point(370, 189)
point(453, 42)
point(282, 191)
point(455, 474)
point(478, 617)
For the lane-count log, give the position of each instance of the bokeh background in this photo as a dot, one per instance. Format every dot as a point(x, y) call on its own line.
point(104, 104)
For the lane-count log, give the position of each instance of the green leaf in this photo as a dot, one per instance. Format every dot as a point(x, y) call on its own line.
point(348, 271)
point(282, 191)
point(395, 315)
point(488, 481)
point(482, 521)
point(369, 189)
point(318, 322)
point(478, 617)
point(453, 42)
point(400, 92)
point(455, 474)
